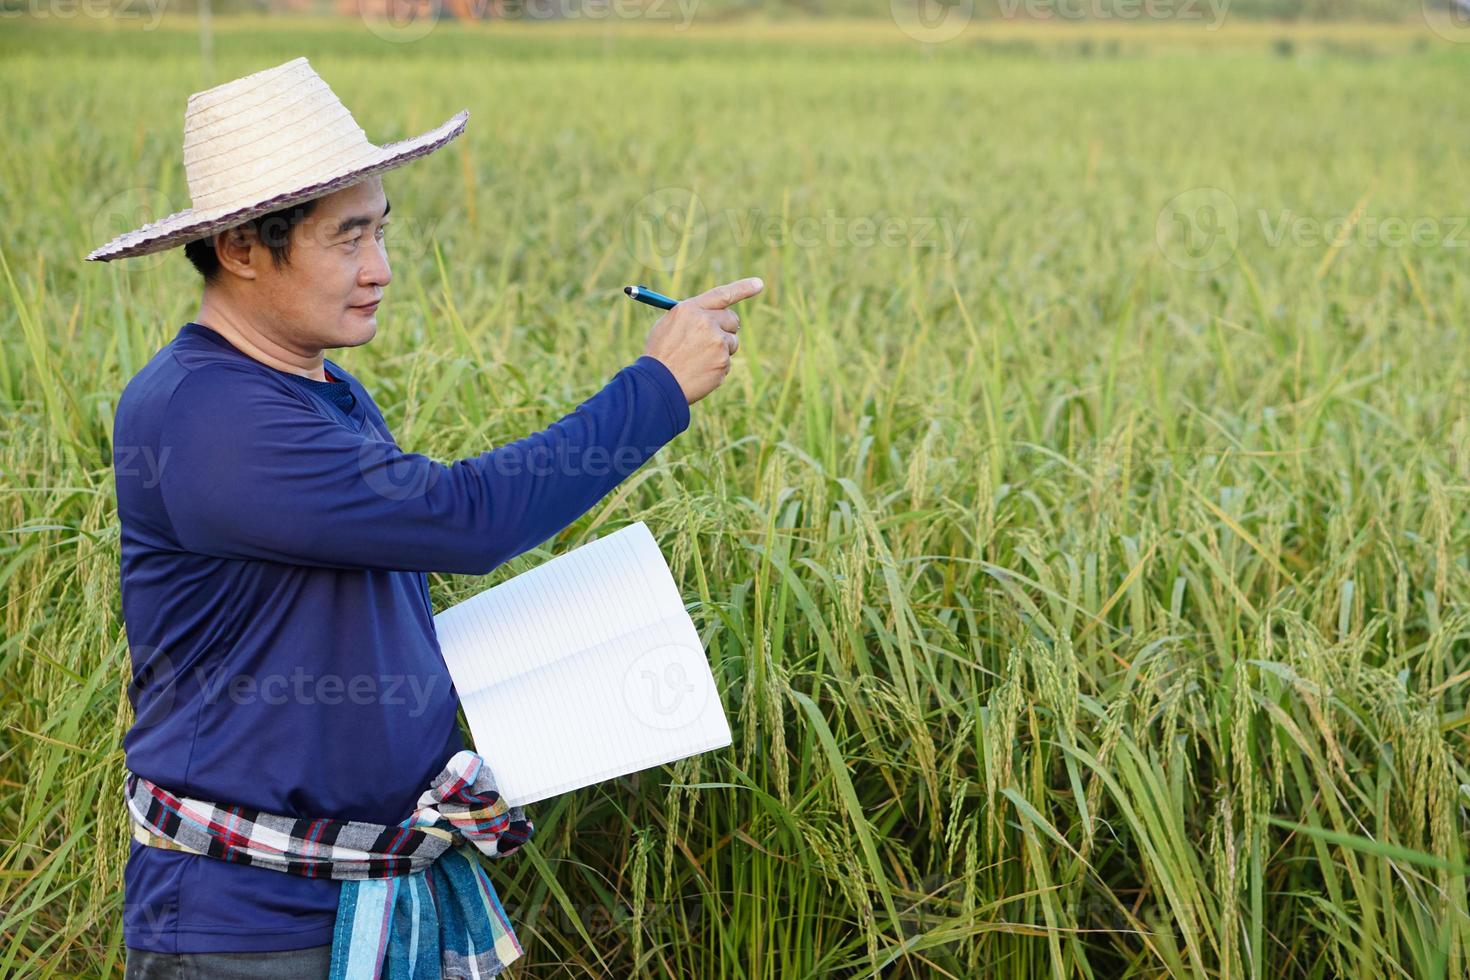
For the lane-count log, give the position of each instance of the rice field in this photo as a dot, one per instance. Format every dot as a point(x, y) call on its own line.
point(1079, 541)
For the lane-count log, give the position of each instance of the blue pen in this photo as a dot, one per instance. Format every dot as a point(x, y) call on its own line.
point(645, 295)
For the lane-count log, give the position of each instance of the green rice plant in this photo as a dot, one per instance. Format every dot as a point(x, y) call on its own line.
point(1079, 612)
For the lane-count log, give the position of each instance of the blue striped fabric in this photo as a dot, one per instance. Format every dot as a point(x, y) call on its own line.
point(446, 921)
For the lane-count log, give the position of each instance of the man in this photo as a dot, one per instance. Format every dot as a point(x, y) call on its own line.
point(276, 543)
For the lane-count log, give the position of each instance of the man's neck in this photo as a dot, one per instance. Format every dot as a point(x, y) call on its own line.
point(220, 317)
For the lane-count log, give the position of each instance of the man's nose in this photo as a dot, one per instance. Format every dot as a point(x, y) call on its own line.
point(376, 271)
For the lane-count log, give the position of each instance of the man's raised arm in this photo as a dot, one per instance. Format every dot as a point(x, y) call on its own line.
point(247, 471)
point(250, 472)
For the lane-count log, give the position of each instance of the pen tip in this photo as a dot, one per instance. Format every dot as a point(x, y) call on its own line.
point(628, 290)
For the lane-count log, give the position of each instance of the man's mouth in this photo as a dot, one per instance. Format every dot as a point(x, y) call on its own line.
point(367, 307)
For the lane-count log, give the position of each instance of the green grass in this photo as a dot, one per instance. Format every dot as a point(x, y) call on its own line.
point(1077, 614)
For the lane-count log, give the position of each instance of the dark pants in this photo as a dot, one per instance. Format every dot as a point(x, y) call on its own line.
point(292, 964)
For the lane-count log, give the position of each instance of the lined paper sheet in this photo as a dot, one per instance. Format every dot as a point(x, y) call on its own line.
point(582, 669)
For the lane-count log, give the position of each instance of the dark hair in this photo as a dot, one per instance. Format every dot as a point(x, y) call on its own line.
point(274, 231)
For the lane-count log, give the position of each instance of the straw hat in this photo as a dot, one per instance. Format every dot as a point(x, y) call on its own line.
point(263, 142)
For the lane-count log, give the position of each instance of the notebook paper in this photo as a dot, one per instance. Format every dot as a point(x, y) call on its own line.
point(582, 669)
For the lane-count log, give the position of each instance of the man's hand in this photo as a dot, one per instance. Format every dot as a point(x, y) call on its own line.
point(696, 339)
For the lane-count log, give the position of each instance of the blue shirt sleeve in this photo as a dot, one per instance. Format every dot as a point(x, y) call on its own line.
point(247, 471)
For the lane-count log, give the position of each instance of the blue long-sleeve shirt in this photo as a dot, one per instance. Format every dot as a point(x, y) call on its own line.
point(275, 545)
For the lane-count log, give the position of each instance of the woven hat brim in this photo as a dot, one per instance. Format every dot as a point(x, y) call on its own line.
point(189, 224)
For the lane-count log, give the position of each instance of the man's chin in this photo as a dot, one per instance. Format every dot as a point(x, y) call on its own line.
point(358, 327)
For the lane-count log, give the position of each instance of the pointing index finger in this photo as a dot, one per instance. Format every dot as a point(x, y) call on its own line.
point(729, 294)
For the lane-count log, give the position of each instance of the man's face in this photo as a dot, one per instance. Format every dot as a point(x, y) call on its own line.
point(326, 295)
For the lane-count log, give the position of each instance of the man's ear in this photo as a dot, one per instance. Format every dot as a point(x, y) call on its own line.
point(235, 248)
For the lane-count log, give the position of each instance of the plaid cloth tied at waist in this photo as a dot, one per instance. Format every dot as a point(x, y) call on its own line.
point(414, 901)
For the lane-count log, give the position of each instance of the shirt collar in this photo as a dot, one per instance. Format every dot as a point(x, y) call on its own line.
point(213, 336)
